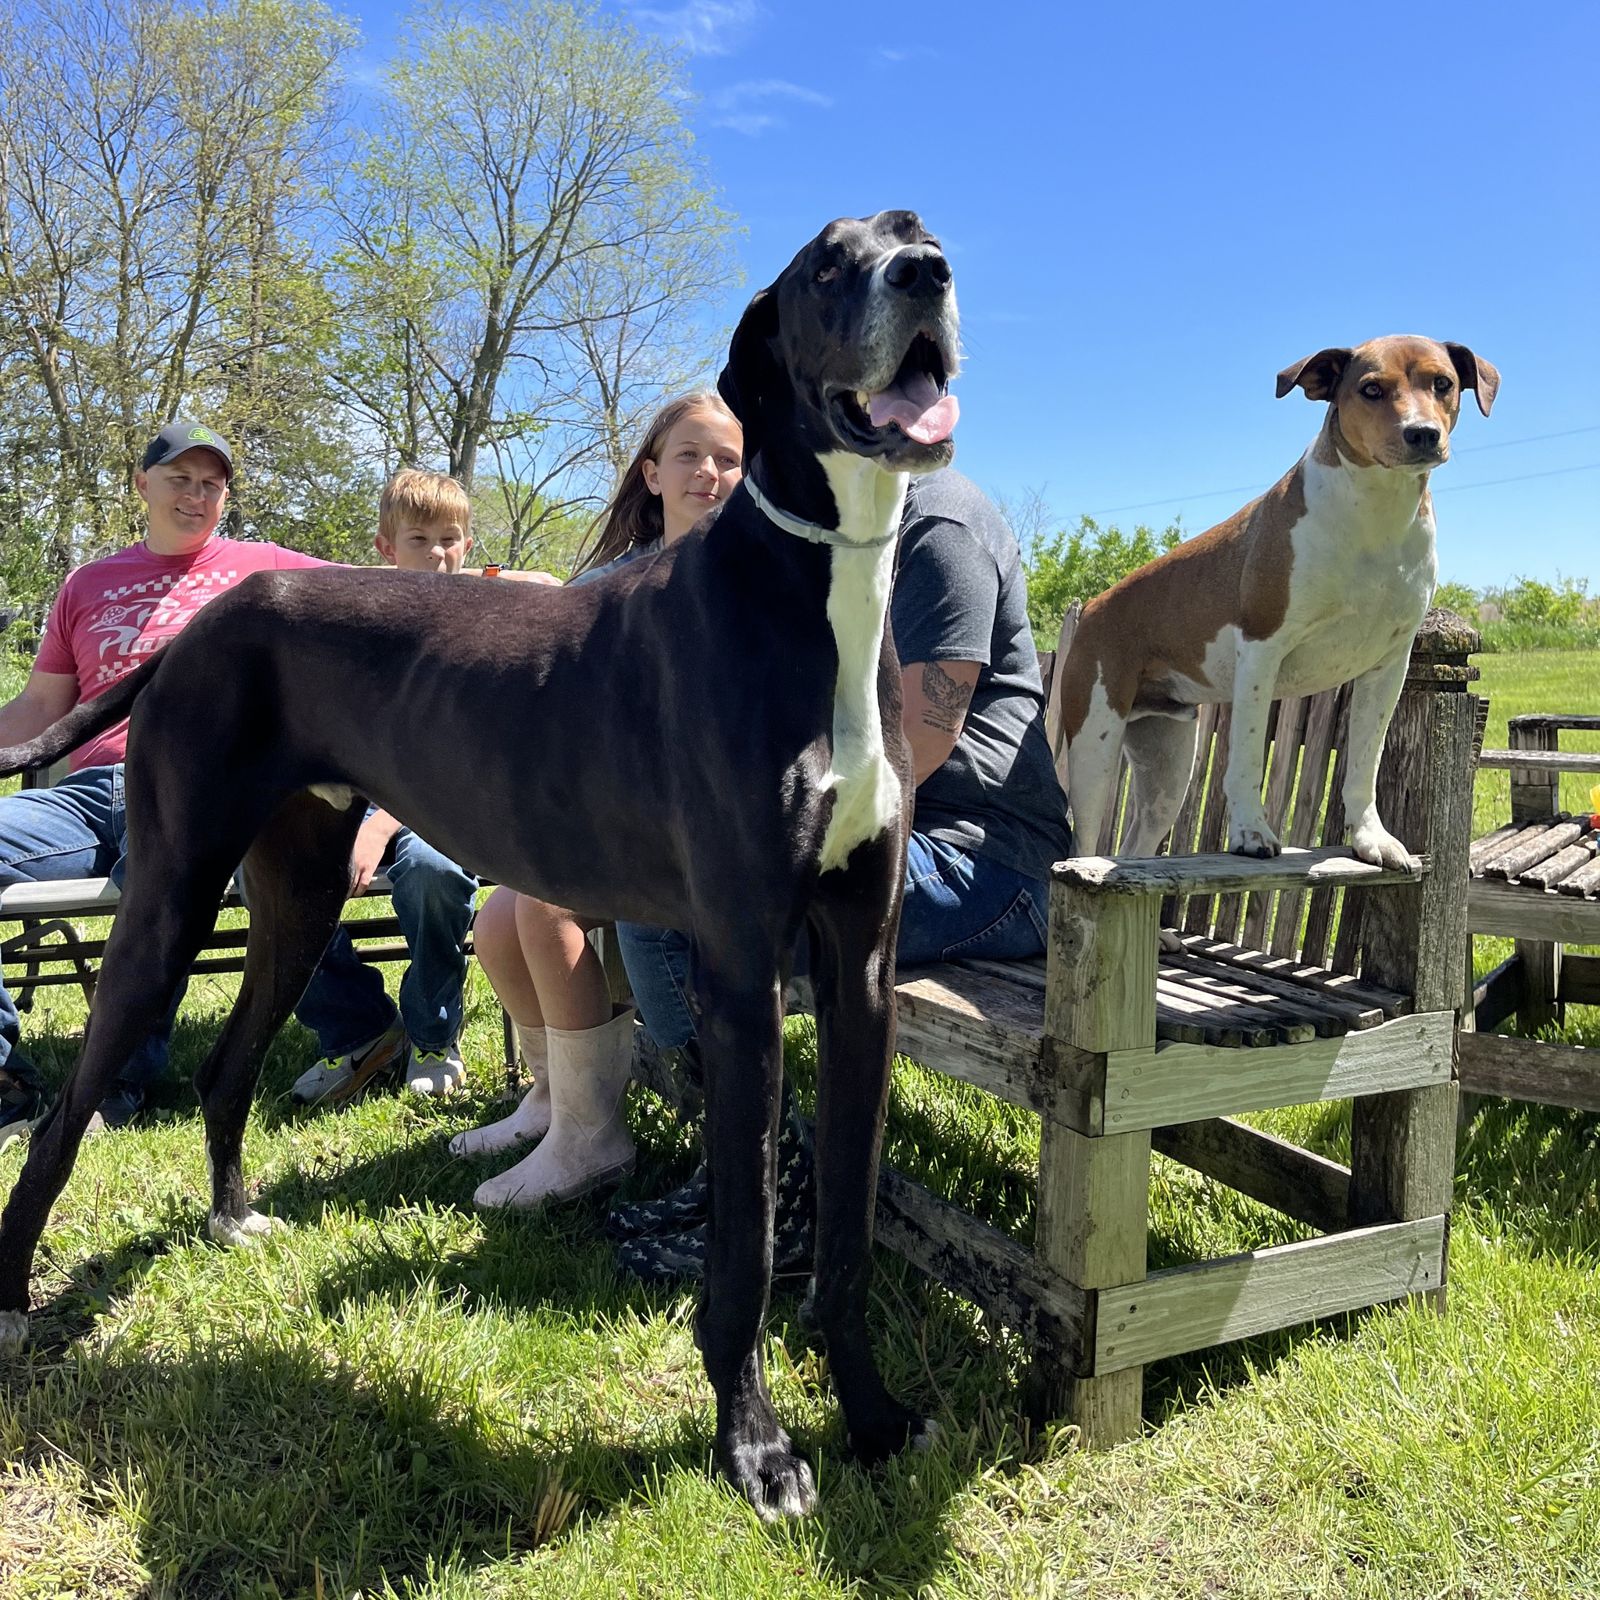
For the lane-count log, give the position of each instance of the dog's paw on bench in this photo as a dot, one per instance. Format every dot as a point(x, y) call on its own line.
point(253, 1225)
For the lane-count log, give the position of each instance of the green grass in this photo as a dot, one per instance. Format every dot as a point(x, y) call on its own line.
point(403, 1397)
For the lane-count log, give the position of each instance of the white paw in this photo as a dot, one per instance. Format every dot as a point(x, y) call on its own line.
point(1253, 839)
point(1380, 848)
point(1170, 942)
point(251, 1226)
point(927, 1438)
point(13, 1331)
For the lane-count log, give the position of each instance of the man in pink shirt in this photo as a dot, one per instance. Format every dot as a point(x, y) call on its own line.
point(109, 616)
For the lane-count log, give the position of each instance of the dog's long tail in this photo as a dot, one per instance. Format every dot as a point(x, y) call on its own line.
point(82, 722)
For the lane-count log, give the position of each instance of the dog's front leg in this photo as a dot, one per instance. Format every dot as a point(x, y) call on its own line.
point(1373, 697)
point(853, 981)
point(742, 1044)
point(1255, 680)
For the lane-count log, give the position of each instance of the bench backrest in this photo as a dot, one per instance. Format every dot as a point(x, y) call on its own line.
point(1304, 778)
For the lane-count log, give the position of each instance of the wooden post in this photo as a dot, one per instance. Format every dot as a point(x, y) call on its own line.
point(1414, 938)
point(1094, 1191)
point(1535, 797)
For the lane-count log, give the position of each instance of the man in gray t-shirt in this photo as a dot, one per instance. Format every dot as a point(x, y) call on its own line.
point(989, 819)
point(959, 612)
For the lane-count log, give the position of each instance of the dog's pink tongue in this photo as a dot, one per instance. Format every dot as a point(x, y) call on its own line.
point(917, 406)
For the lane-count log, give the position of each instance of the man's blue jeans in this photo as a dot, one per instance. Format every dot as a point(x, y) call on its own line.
point(956, 905)
point(345, 1004)
point(79, 829)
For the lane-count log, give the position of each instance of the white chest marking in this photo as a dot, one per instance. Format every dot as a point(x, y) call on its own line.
point(865, 789)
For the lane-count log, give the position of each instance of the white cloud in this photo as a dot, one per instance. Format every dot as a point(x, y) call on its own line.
point(749, 107)
point(702, 27)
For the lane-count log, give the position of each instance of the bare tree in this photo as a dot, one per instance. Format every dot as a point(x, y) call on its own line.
point(528, 236)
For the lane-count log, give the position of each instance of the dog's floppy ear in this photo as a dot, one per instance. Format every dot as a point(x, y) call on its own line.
point(1318, 375)
point(753, 368)
point(1476, 374)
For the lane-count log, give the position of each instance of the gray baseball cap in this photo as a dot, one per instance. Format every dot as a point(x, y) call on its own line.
point(177, 437)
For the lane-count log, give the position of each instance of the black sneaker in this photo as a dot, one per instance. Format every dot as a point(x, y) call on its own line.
point(117, 1110)
point(23, 1105)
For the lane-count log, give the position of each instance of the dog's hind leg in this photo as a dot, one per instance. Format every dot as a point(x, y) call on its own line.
point(297, 875)
point(168, 905)
point(741, 1041)
point(1094, 768)
point(854, 920)
point(1161, 753)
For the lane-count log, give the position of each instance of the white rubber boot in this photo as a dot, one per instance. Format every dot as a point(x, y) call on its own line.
point(588, 1143)
point(531, 1119)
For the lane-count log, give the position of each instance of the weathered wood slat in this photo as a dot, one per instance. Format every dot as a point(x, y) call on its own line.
point(1030, 974)
point(1288, 740)
point(1221, 1022)
point(1521, 833)
point(1193, 1308)
point(1322, 906)
point(1491, 843)
point(1318, 980)
point(1301, 1185)
point(1328, 1015)
point(1548, 874)
point(1529, 1069)
point(976, 1027)
point(1275, 1021)
point(1173, 1083)
point(1294, 869)
point(1515, 912)
point(1323, 730)
point(1553, 839)
point(980, 1263)
point(1585, 881)
point(1542, 760)
point(1213, 832)
point(1556, 719)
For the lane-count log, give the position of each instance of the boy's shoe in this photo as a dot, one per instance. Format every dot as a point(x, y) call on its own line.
point(117, 1110)
point(23, 1105)
point(336, 1080)
point(436, 1073)
point(679, 1209)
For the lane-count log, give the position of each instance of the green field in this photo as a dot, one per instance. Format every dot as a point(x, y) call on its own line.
point(403, 1397)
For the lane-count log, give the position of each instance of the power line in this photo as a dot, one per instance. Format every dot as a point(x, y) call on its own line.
point(1499, 444)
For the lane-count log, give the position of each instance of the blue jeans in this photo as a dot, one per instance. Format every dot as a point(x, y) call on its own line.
point(345, 1004)
point(78, 829)
point(956, 905)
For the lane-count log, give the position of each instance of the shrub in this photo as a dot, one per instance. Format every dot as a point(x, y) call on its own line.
point(1079, 563)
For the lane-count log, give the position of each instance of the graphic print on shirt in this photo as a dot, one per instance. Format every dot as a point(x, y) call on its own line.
point(134, 620)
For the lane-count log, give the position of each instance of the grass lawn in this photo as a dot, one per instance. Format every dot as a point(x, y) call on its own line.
point(403, 1397)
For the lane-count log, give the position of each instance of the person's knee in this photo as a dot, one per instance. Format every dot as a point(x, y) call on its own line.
point(424, 879)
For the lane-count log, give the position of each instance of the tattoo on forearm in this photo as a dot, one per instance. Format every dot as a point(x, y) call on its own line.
point(947, 699)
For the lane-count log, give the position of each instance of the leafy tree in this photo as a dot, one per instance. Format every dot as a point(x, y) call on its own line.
point(1459, 598)
point(1081, 562)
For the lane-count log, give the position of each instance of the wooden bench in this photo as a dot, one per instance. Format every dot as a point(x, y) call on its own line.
point(47, 948)
point(1303, 979)
point(1536, 881)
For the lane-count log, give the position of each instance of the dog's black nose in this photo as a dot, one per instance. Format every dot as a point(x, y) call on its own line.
point(1421, 437)
point(918, 269)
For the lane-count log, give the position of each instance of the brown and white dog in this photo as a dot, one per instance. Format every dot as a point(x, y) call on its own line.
point(1321, 581)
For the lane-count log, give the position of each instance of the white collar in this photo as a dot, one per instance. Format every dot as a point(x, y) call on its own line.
point(814, 531)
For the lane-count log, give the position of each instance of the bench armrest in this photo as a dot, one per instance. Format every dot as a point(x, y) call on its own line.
point(1332, 866)
point(1542, 760)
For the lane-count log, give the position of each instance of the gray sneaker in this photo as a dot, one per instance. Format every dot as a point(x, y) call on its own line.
point(436, 1073)
point(336, 1080)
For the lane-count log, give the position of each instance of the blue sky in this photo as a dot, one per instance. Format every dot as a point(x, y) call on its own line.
point(1151, 210)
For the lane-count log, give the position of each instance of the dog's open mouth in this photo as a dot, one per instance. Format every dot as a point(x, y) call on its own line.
point(916, 405)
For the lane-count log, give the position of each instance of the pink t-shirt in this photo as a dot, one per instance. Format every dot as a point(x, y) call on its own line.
point(113, 613)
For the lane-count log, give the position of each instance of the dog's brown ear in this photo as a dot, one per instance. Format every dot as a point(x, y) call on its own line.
point(1476, 374)
point(1318, 375)
point(753, 368)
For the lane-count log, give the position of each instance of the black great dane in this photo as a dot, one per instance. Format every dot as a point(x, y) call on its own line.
point(708, 739)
